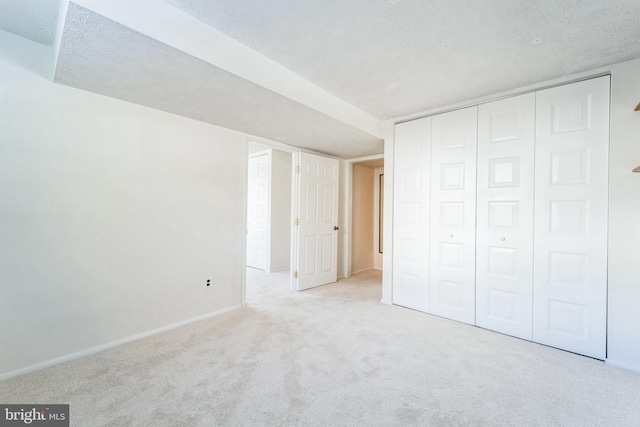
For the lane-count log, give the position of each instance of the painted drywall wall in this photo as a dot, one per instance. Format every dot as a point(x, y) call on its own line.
point(111, 215)
point(377, 208)
point(362, 219)
point(344, 219)
point(387, 224)
point(280, 210)
point(623, 333)
point(624, 225)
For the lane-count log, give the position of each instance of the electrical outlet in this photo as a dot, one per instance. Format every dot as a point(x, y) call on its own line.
point(208, 281)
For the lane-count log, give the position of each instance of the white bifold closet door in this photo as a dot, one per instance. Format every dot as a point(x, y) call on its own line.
point(504, 259)
point(570, 242)
point(452, 290)
point(411, 214)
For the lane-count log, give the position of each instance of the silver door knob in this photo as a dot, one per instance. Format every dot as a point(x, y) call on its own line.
point(450, 235)
point(502, 239)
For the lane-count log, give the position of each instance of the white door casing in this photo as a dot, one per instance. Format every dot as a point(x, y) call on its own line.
point(258, 221)
point(453, 210)
point(571, 204)
point(317, 229)
point(504, 235)
point(411, 214)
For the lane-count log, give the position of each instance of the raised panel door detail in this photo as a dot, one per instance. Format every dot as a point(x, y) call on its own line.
point(502, 262)
point(505, 192)
point(569, 216)
point(310, 246)
point(327, 258)
point(316, 240)
point(571, 205)
point(452, 176)
point(410, 213)
point(449, 295)
point(504, 126)
point(451, 256)
point(503, 306)
point(571, 116)
point(504, 172)
point(410, 285)
point(448, 135)
point(453, 205)
point(503, 214)
point(567, 318)
point(327, 206)
point(410, 179)
point(311, 202)
point(452, 214)
point(410, 250)
point(329, 172)
point(411, 217)
point(312, 169)
point(570, 167)
point(567, 269)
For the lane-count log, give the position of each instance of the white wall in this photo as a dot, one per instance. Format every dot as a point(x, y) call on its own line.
point(280, 210)
point(623, 337)
point(111, 216)
point(377, 255)
point(344, 220)
point(362, 218)
point(624, 219)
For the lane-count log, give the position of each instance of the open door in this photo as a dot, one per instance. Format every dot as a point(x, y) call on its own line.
point(316, 229)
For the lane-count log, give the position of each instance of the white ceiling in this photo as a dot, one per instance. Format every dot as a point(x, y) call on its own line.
point(387, 58)
point(392, 58)
point(102, 56)
point(32, 19)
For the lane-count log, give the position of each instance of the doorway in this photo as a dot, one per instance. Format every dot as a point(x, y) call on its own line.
point(367, 214)
point(268, 208)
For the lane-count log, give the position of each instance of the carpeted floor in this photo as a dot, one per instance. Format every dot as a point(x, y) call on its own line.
point(332, 356)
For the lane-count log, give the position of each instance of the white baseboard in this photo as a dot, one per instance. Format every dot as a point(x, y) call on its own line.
point(102, 347)
point(621, 365)
point(362, 270)
point(386, 301)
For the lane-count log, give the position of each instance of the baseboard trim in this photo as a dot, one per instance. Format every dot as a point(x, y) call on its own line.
point(386, 301)
point(92, 350)
point(362, 270)
point(621, 365)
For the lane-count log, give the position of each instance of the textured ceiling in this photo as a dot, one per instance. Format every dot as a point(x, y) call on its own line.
point(392, 58)
point(388, 58)
point(105, 57)
point(33, 19)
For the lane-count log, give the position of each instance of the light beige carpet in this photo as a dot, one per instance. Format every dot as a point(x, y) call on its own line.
point(332, 356)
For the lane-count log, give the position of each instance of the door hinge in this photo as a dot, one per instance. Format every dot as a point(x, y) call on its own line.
point(297, 221)
point(298, 169)
point(295, 274)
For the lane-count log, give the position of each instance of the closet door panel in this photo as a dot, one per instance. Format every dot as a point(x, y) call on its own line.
point(411, 214)
point(570, 264)
point(504, 257)
point(453, 210)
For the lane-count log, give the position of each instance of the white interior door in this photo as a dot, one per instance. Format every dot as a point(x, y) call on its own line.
point(411, 214)
point(570, 242)
point(317, 229)
point(453, 215)
point(504, 248)
point(258, 212)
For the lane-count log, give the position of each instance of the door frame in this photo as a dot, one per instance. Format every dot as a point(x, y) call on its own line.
point(295, 161)
point(346, 211)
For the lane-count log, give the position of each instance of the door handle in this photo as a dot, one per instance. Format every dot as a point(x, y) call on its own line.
point(336, 228)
